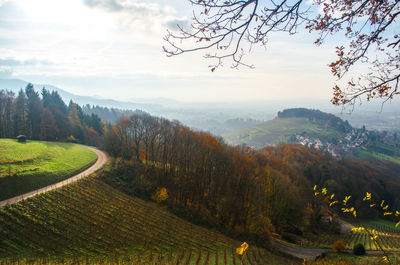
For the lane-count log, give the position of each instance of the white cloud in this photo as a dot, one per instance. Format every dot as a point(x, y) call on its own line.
point(139, 14)
point(136, 8)
point(5, 72)
point(17, 62)
point(2, 2)
point(114, 48)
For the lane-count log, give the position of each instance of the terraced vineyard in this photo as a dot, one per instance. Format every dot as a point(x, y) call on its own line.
point(388, 238)
point(387, 241)
point(90, 222)
point(382, 225)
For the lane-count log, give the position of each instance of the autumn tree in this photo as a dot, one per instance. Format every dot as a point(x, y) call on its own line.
point(118, 140)
point(48, 126)
point(369, 29)
point(151, 128)
point(6, 113)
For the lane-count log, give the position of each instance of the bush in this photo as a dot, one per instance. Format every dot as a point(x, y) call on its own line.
point(71, 139)
point(359, 250)
point(338, 246)
point(160, 195)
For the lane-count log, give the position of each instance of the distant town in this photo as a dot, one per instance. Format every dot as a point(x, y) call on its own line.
point(357, 138)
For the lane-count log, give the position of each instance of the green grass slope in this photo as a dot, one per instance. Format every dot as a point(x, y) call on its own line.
point(280, 130)
point(89, 222)
point(371, 154)
point(28, 166)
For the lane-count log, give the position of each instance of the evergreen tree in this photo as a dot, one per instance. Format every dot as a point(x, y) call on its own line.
point(53, 102)
point(34, 111)
point(20, 114)
point(75, 124)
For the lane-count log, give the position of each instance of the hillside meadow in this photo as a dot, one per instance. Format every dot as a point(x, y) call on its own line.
point(28, 166)
point(280, 130)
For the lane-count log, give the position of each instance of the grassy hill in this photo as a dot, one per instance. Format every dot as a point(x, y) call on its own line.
point(281, 130)
point(28, 166)
point(90, 222)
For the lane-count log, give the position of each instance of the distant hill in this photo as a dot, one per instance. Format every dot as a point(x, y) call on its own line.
point(318, 117)
point(288, 124)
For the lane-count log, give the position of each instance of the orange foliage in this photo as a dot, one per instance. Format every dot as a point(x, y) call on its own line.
point(339, 246)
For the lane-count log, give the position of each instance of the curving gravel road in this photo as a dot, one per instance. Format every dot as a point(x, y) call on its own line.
point(100, 162)
point(313, 254)
point(309, 254)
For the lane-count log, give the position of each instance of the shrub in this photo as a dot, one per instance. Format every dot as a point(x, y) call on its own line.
point(71, 139)
point(338, 246)
point(160, 195)
point(359, 249)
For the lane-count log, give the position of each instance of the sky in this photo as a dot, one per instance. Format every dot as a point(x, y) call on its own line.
point(113, 49)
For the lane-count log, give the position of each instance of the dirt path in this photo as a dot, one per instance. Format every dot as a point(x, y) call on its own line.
point(101, 160)
point(309, 254)
point(312, 254)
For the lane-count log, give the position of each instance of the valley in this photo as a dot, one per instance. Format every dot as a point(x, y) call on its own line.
point(221, 117)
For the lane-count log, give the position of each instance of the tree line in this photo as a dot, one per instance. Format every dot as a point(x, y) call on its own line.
point(221, 184)
point(254, 192)
point(110, 115)
point(318, 116)
point(45, 116)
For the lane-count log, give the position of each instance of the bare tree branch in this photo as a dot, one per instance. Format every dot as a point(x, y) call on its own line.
point(225, 28)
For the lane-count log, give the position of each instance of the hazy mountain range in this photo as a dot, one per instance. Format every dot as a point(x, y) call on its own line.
point(222, 117)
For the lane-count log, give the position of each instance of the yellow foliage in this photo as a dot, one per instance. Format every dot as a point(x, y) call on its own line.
point(160, 195)
point(71, 138)
point(346, 199)
point(367, 197)
point(385, 259)
point(332, 203)
point(358, 229)
point(242, 248)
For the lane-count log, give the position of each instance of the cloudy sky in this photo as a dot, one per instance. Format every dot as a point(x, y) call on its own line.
point(113, 49)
